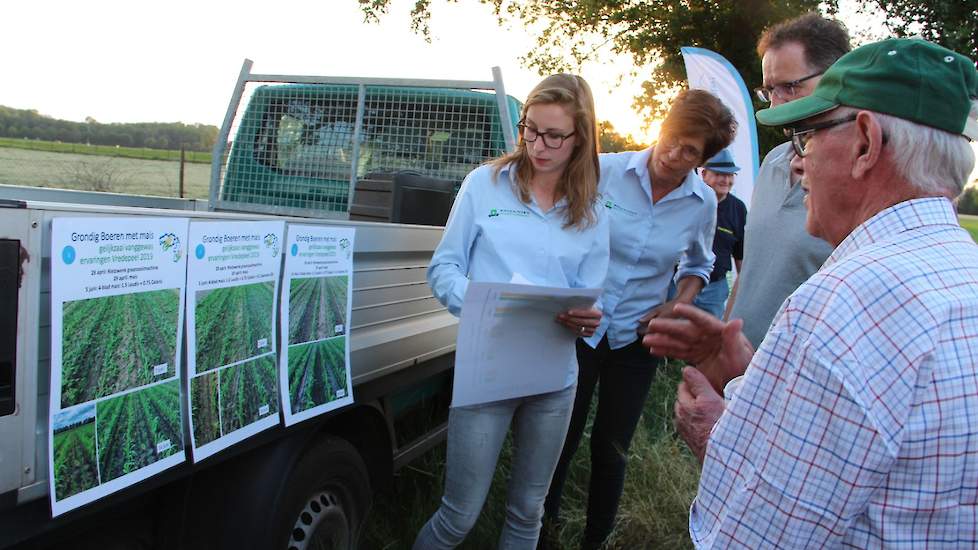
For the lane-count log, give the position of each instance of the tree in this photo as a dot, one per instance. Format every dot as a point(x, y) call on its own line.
point(951, 23)
point(28, 123)
point(570, 33)
point(613, 142)
point(968, 201)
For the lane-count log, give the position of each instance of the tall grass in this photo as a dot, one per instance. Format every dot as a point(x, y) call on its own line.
point(659, 486)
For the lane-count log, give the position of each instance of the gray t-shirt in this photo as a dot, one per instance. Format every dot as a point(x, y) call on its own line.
point(779, 254)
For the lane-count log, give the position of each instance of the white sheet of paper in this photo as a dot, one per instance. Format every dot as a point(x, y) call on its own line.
point(509, 344)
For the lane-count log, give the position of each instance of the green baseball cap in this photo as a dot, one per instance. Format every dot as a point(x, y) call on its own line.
point(908, 78)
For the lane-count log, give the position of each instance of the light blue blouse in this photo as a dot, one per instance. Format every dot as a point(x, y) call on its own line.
point(491, 235)
point(648, 240)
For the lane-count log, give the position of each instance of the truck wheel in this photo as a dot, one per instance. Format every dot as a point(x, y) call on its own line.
point(326, 500)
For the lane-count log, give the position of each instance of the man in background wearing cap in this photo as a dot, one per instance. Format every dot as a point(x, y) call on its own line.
point(856, 422)
point(728, 240)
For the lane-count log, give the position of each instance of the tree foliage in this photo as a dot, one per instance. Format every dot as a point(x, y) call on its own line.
point(968, 201)
point(613, 142)
point(951, 23)
point(28, 123)
point(570, 33)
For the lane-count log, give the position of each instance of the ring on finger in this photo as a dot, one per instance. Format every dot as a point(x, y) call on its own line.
point(581, 329)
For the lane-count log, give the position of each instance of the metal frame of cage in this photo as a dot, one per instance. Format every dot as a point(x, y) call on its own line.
point(222, 154)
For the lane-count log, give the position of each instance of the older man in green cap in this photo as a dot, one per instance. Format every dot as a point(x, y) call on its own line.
point(855, 423)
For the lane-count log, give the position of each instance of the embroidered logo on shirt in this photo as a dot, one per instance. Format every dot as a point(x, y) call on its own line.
point(494, 212)
point(610, 205)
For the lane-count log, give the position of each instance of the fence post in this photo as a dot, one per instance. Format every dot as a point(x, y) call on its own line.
point(182, 160)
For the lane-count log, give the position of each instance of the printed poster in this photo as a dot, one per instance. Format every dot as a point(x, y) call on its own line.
point(117, 291)
point(317, 293)
point(232, 280)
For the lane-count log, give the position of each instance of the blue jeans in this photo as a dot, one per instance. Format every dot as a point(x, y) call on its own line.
point(712, 299)
point(475, 436)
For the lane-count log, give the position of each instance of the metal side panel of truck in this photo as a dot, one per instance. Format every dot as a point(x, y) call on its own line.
point(325, 149)
point(402, 342)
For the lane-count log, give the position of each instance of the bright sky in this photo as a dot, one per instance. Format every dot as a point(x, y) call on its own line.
point(121, 61)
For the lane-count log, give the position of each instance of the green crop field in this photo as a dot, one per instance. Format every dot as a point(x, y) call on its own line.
point(233, 324)
point(249, 392)
point(115, 343)
point(317, 306)
point(99, 173)
point(204, 408)
point(971, 224)
point(316, 372)
point(75, 469)
point(138, 429)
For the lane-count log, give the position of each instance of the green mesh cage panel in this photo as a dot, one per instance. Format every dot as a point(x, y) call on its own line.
point(297, 148)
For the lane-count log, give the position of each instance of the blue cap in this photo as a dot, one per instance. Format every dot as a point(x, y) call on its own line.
point(723, 163)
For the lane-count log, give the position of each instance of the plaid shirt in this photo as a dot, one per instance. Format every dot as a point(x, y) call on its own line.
point(856, 424)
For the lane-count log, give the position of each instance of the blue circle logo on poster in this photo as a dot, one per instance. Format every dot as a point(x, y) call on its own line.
point(295, 249)
point(68, 254)
point(199, 251)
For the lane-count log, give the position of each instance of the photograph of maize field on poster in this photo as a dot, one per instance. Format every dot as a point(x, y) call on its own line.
point(316, 307)
point(117, 293)
point(233, 323)
point(116, 343)
point(232, 286)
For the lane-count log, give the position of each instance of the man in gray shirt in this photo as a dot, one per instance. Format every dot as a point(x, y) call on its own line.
point(779, 254)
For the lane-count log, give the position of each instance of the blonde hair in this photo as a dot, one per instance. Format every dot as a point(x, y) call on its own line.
point(579, 182)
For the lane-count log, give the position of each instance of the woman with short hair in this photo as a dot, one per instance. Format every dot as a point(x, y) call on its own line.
point(661, 214)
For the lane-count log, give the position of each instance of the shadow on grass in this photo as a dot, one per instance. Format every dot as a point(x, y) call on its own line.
point(659, 486)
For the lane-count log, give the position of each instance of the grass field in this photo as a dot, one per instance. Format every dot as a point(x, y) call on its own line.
point(101, 173)
point(115, 343)
point(659, 487)
point(105, 150)
point(971, 224)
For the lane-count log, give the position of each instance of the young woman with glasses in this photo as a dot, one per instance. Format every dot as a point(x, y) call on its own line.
point(531, 214)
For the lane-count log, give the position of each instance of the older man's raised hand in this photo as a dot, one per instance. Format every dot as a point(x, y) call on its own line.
point(718, 349)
